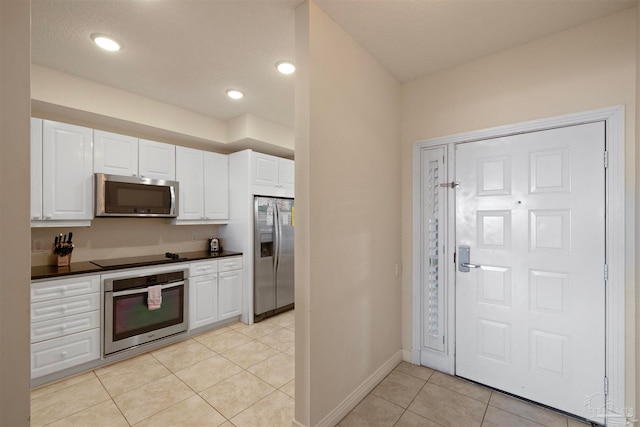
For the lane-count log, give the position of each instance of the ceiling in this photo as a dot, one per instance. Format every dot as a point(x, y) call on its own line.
point(188, 52)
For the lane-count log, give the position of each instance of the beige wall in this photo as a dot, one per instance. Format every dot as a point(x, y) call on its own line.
point(57, 88)
point(637, 206)
point(56, 94)
point(14, 212)
point(588, 67)
point(347, 225)
point(122, 237)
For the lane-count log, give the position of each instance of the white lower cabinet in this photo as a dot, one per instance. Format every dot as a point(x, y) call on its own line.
point(230, 287)
point(65, 352)
point(65, 323)
point(229, 294)
point(215, 291)
point(203, 295)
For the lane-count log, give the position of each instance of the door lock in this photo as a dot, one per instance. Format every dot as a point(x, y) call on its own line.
point(464, 256)
point(453, 184)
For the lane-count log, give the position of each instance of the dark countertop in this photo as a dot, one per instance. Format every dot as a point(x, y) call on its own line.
point(53, 271)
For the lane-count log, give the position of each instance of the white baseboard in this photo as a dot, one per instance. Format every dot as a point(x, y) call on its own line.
point(407, 356)
point(350, 402)
point(295, 423)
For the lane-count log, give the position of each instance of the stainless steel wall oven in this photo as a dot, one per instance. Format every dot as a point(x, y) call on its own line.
point(129, 321)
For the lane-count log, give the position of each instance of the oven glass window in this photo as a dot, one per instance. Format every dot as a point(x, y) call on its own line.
point(131, 316)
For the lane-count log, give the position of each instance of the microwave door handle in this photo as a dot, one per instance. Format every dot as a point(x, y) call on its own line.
point(145, 290)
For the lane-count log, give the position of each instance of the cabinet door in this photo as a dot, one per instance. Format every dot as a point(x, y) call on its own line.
point(229, 294)
point(216, 186)
point(286, 173)
point(63, 288)
point(265, 170)
point(67, 172)
point(203, 296)
point(61, 326)
point(36, 168)
point(115, 154)
point(62, 353)
point(190, 175)
point(57, 308)
point(157, 160)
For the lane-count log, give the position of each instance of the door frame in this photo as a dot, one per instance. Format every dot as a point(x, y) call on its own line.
point(615, 240)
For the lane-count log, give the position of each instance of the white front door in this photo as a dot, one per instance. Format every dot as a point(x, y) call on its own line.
point(530, 311)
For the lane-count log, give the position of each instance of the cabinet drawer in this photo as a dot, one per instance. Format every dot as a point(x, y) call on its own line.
point(231, 263)
point(62, 326)
point(203, 268)
point(62, 353)
point(54, 289)
point(53, 309)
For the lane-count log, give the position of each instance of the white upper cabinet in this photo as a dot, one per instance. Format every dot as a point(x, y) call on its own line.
point(128, 156)
point(204, 186)
point(157, 160)
point(265, 169)
point(216, 186)
point(190, 175)
point(115, 154)
point(286, 174)
point(272, 176)
point(36, 169)
point(66, 182)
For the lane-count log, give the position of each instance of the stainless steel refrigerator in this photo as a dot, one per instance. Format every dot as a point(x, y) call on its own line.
point(273, 278)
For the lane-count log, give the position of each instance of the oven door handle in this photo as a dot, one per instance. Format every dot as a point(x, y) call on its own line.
point(146, 290)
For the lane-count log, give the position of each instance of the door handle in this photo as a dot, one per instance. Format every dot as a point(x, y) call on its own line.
point(464, 256)
point(470, 265)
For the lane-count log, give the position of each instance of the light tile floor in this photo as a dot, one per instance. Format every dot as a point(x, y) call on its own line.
point(243, 376)
point(412, 396)
point(237, 375)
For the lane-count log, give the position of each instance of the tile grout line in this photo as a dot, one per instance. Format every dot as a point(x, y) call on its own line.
point(279, 351)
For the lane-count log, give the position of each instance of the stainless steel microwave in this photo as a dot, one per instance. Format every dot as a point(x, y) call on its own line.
point(130, 196)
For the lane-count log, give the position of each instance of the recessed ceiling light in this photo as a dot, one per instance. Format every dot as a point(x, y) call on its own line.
point(234, 94)
point(285, 67)
point(106, 42)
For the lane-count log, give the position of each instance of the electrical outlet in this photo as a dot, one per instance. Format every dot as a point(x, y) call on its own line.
point(398, 269)
point(194, 236)
point(38, 245)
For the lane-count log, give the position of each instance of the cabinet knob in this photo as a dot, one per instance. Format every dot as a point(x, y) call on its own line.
point(35, 217)
point(63, 353)
point(48, 216)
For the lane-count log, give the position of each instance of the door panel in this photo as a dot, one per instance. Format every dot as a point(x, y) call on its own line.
point(285, 275)
point(530, 320)
point(264, 283)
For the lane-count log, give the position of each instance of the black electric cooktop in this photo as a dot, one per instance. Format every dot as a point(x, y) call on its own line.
point(139, 260)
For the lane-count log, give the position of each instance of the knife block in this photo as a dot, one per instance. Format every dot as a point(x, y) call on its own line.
point(64, 261)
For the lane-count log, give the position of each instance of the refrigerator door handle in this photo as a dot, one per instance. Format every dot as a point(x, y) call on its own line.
point(279, 230)
point(276, 230)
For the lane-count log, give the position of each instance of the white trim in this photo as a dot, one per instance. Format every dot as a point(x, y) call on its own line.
point(339, 412)
point(615, 244)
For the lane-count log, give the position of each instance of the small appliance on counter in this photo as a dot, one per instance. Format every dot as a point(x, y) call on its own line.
point(214, 245)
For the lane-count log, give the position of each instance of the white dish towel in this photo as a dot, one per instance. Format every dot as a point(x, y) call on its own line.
point(154, 297)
